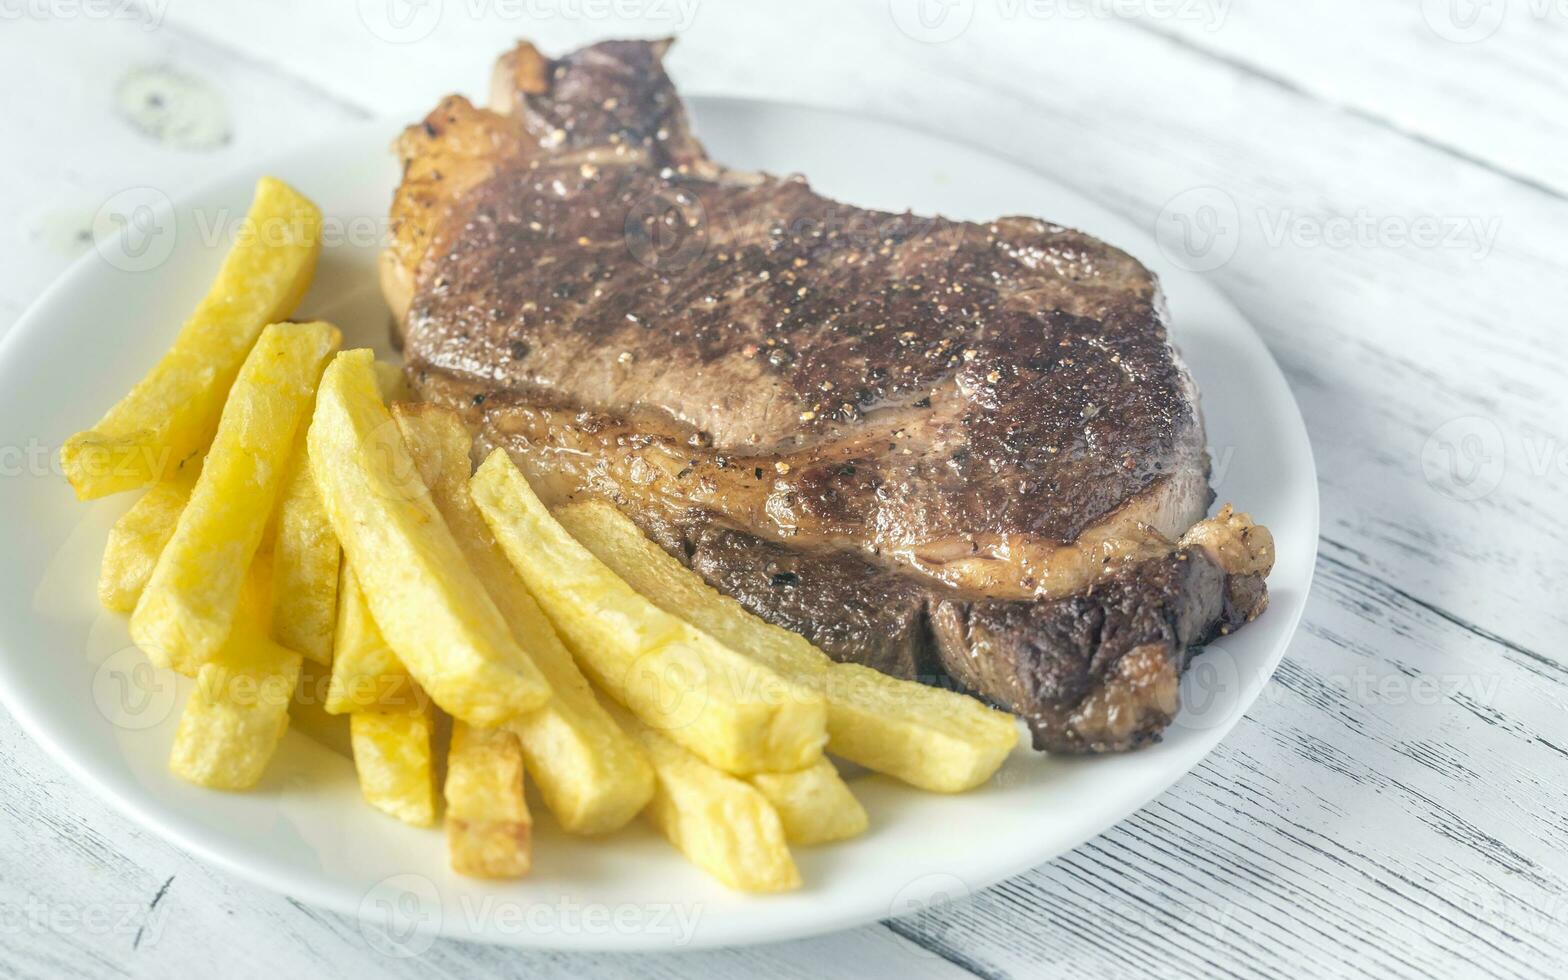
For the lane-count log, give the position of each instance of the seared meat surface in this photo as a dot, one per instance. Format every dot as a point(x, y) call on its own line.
point(935, 447)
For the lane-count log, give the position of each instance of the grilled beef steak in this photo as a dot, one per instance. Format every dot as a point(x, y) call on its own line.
point(944, 449)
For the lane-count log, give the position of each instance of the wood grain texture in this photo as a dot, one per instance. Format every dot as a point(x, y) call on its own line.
point(1391, 807)
point(1429, 68)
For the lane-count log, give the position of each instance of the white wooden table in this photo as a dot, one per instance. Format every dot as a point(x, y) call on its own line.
point(1393, 177)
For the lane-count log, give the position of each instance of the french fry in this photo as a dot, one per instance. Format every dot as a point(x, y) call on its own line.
point(239, 709)
point(366, 674)
point(722, 824)
point(592, 775)
point(236, 714)
point(305, 564)
point(428, 603)
point(390, 719)
point(489, 833)
point(187, 609)
point(733, 712)
point(395, 761)
point(931, 738)
point(935, 739)
point(173, 411)
point(814, 804)
point(139, 536)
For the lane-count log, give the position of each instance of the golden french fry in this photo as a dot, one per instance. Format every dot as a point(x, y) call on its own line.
point(928, 737)
point(239, 709)
point(592, 775)
point(722, 823)
point(366, 673)
point(305, 564)
point(427, 601)
point(139, 536)
point(372, 678)
point(737, 714)
point(489, 833)
point(814, 804)
point(394, 758)
point(187, 609)
point(236, 715)
point(172, 413)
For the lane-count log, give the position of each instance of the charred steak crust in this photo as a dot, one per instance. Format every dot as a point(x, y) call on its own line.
point(910, 439)
point(1094, 672)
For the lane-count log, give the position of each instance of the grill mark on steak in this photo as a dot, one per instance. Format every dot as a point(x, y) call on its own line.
point(911, 439)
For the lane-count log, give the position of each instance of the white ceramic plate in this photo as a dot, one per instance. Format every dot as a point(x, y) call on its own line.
point(68, 673)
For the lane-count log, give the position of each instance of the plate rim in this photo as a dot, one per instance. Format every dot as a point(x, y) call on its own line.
point(319, 893)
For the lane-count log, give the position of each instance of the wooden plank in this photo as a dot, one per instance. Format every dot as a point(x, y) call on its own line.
point(1432, 68)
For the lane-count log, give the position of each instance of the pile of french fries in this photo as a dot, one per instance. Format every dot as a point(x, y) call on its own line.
point(303, 550)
